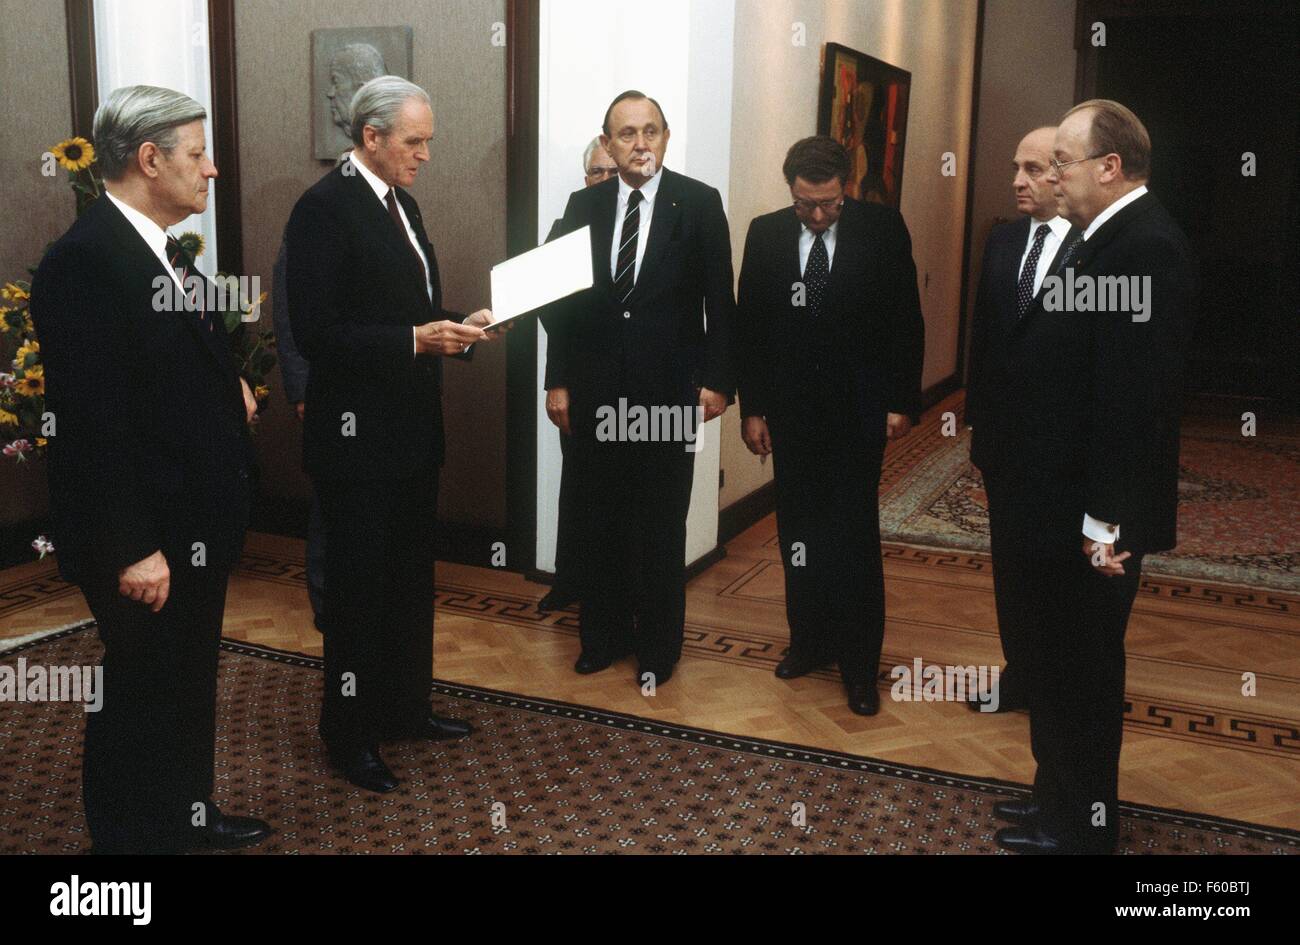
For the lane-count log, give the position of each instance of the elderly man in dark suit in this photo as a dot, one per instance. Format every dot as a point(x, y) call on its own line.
point(639, 339)
point(1018, 257)
point(365, 302)
point(151, 472)
point(831, 343)
point(1089, 440)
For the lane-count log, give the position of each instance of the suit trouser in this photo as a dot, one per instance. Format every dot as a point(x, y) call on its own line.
point(149, 749)
point(379, 590)
point(828, 522)
point(1017, 573)
point(316, 559)
point(1076, 695)
point(634, 500)
point(568, 539)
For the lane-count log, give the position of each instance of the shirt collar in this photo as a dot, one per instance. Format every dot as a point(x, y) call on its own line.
point(1059, 226)
point(827, 234)
point(376, 184)
point(648, 189)
point(1113, 209)
point(154, 235)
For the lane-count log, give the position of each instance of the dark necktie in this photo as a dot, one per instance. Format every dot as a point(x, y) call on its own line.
point(1025, 287)
point(817, 275)
point(180, 262)
point(1070, 252)
point(625, 267)
point(390, 198)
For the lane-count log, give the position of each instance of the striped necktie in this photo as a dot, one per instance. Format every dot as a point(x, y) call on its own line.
point(625, 268)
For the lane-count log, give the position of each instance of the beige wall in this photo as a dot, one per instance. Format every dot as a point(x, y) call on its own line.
point(1022, 39)
point(775, 104)
point(35, 114)
point(461, 193)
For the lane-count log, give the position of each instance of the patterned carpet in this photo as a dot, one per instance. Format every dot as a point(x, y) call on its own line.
point(537, 777)
point(1239, 512)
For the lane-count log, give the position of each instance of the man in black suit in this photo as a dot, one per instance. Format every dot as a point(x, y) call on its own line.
point(151, 471)
point(1018, 257)
point(661, 255)
point(365, 301)
point(1088, 428)
point(831, 344)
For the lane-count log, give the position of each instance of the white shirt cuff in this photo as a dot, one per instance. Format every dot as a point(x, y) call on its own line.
point(1100, 531)
point(415, 345)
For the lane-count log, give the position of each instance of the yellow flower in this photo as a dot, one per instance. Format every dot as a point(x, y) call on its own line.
point(75, 154)
point(14, 292)
point(30, 386)
point(8, 419)
point(261, 392)
point(31, 347)
point(41, 441)
point(192, 243)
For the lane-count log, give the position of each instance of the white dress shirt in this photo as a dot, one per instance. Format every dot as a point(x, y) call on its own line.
point(154, 235)
point(806, 239)
point(646, 210)
point(381, 191)
point(1095, 528)
point(1057, 227)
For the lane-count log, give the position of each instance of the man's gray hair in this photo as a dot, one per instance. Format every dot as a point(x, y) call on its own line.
point(378, 102)
point(134, 114)
point(586, 155)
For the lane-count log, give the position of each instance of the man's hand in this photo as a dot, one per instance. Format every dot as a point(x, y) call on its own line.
point(1103, 557)
point(557, 408)
point(148, 581)
point(448, 337)
point(250, 402)
point(753, 431)
point(897, 425)
point(484, 317)
point(300, 408)
point(714, 404)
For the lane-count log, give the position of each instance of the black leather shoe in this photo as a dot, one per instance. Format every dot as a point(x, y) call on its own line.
point(1028, 839)
point(436, 728)
point(365, 769)
point(863, 698)
point(589, 663)
point(792, 667)
point(661, 676)
point(557, 598)
point(228, 832)
point(1018, 812)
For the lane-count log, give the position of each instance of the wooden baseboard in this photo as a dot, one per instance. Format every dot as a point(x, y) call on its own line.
point(745, 511)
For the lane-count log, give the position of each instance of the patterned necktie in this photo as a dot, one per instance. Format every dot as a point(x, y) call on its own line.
point(1025, 287)
point(817, 275)
point(390, 199)
point(180, 263)
point(1068, 256)
point(625, 267)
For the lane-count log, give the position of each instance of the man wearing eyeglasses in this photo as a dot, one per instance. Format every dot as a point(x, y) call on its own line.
point(831, 341)
point(1094, 459)
point(1018, 257)
point(652, 333)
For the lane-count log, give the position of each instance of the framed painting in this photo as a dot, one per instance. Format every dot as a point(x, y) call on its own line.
point(863, 106)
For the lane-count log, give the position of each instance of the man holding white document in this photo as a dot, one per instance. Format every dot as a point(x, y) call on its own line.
point(637, 345)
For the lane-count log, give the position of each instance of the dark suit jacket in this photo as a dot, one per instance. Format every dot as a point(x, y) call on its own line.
point(355, 291)
point(995, 327)
point(1087, 414)
point(293, 366)
point(151, 450)
point(661, 352)
point(875, 339)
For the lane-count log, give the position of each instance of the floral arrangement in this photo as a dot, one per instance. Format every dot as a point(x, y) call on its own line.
point(22, 387)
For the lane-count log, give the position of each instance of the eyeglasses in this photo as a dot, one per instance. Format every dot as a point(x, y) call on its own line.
point(828, 206)
point(1057, 165)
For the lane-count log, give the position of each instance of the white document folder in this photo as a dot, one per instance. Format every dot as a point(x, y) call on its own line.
point(542, 275)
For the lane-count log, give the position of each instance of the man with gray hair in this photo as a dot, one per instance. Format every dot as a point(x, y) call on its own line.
point(365, 302)
point(151, 474)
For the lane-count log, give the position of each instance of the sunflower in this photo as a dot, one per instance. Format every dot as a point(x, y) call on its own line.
point(192, 243)
point(8, 419)
point(262, 392)
point(31, 385)
point(14, 292)
point(75, 154)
